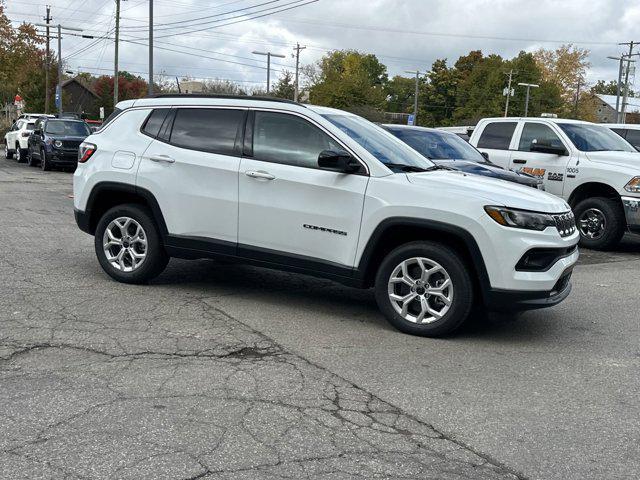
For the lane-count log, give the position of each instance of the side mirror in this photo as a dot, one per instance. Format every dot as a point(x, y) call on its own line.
point(338, 161)
point(485, 155)
point(543, 147)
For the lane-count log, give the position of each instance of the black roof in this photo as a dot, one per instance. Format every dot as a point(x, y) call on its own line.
point(223, 96)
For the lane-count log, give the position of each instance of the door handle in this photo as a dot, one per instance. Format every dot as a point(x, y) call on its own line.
point(162, 158)
point(259, 174)
point(517, 160)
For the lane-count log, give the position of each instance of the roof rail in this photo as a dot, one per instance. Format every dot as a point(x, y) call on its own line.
point(223, 96)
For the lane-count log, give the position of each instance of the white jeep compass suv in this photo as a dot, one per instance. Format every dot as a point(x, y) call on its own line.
point(317, 191)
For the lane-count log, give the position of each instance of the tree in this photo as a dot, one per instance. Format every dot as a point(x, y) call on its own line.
point(346, 78)
point(608, 88)
point(224, 87)
point(129, 87)
point(399, 93)
point(285, 88)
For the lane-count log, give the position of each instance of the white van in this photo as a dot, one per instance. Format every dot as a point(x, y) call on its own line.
point(589, 165)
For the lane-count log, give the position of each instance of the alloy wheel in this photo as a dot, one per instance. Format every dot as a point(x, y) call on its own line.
point(420, 290)
point(18, 155)
point(592, 223)
point(125, 244)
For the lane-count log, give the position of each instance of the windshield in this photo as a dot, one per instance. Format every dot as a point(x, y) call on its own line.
point(67, 128)
point(379, 143)
point(438, 145)
point(594, 138)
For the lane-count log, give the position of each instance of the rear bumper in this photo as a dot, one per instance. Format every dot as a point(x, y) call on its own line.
point(83, 220)
point(632, 213)
point(520, 300)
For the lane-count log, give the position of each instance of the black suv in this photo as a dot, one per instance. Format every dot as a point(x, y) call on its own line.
point(54, 142)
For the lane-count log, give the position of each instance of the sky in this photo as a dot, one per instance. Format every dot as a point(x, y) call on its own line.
point(207, 39)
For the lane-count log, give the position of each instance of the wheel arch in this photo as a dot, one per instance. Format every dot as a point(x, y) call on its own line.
point(397, 231)
point(106, 195)
point(593, 189)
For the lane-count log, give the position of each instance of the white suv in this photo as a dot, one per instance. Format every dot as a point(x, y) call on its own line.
point(322, 192)
point(16, 139)
point(587, 164)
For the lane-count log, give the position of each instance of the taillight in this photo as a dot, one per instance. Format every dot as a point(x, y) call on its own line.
point(85, 151)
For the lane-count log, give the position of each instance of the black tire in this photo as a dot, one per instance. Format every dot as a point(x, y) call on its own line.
point(20, 154)
point(462, 299)
point(7, 153)
point(30, 160)
point(156, 257)
point(615, 222)
point(44, 164)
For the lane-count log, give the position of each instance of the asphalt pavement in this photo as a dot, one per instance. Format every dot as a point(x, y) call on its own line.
point(226, 371)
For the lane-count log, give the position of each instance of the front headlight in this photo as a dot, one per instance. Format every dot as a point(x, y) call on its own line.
point(57, 144)
point(510, 217)
point(633, 186)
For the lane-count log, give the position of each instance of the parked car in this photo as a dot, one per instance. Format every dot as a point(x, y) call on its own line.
point(629, 131)
point(463, 132)
point(449, 150)
point(54, 142)
point(34, 116)
point(318, 191)
point(15, 140)
point(595, 170)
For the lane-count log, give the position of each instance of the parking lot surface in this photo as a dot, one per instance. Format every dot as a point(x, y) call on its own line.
point(226, 371)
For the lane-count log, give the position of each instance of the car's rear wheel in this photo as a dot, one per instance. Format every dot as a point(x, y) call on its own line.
point(7, 153)
point(128, 244)
point(19, 154)
point(423, 288)
point(601, 222)
point(29, 158)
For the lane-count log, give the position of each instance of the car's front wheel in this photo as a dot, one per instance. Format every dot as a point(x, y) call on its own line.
point(128, 244)
point(423, 288)
point(601, 222)
point(45, 165)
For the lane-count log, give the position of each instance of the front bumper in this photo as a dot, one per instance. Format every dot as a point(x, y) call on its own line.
point(513, 300)
point(632, 213)
point(63, 157)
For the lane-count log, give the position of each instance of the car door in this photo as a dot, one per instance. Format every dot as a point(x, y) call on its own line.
point(191, 166)
point(495, 140)
point(550, 167)
point(291, 211)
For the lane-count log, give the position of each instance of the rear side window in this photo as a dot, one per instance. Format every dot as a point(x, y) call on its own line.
point(497, 135)
point(154, 122)
point(633, 137)
point(208, 129)
point(539, 133)
point(620, 131)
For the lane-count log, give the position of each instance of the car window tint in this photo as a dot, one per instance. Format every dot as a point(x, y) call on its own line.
point(154, 122)
point(497, 135)
point(633, 137)
point(288, 139)
point(538, 133)
point(208, 129)
point(620, 131)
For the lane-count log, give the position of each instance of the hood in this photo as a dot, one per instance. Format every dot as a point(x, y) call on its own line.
point(488, 170)
point(508, 194)
point(628, 159)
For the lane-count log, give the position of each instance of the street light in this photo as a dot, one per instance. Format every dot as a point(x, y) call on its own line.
point(526, 103)
point(268, 55)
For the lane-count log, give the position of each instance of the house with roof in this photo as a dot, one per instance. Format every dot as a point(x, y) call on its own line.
point(606, 109)
point(79, 97)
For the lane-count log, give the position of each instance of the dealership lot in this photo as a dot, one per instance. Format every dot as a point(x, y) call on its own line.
point(225, 371)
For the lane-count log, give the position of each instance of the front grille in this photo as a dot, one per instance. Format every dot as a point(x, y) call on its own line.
point(70, 144)
point(565, 223)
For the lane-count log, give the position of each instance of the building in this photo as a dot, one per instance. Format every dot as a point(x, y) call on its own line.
point(191, 86)
point(606, 109)
point(79, 98)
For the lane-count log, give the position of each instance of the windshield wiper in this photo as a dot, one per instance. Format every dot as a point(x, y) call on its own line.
point(407, 168)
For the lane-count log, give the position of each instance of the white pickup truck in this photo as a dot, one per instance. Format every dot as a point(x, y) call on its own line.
point(590, 166)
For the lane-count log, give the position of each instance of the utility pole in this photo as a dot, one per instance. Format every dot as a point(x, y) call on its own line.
point(150, 47)
point(526, 104)
point(508, 91)
point(575, 107)
point(296, 90)
point(619, 85)
point(415, 95)
point(268, 55)
point(47, 63)
point(623, 109)
point(115, 59)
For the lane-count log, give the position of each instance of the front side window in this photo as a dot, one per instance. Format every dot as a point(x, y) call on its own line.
point(497, 135)
point(386, 148)
point(438, 145)
point(208, 129)
point(288, 139)
point(595, 138)
point(538, 133)
point(67, 128)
